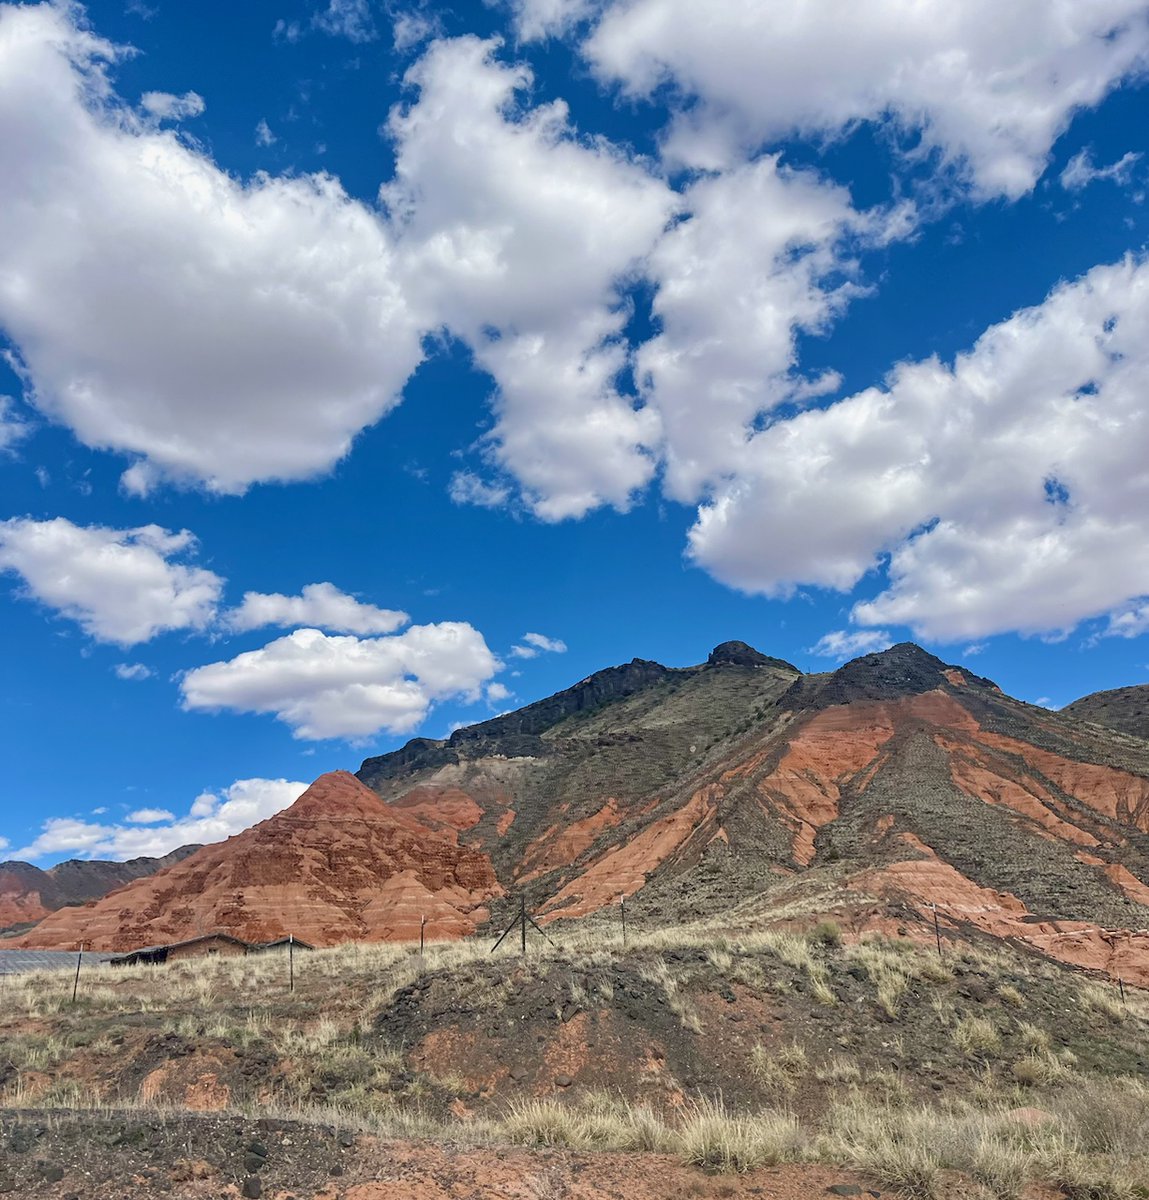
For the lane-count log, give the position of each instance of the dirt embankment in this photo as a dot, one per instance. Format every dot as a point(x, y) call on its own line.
point(124, 1156)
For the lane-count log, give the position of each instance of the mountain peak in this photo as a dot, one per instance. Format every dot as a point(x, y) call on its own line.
point(741, 654)
point(337, 793)
point(902, 670)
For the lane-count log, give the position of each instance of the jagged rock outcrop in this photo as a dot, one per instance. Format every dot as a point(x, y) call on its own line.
point(739, 654)
point(516, 734)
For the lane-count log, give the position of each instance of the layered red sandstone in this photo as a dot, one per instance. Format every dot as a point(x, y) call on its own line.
point(337, 865)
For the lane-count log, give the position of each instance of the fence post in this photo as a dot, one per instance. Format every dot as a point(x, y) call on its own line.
point(291, 962)
point(76, 981)
point(622, 905)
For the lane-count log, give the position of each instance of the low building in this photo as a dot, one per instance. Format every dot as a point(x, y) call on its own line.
point(208, 945)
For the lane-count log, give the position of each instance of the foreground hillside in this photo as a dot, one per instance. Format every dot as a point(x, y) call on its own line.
point(874, 1064)
point(892, 793)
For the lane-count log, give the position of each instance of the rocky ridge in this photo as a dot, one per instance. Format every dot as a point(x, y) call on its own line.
point(28, 894)
point(1125, 710)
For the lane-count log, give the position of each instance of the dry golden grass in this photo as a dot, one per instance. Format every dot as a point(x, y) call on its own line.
point(976, 1036)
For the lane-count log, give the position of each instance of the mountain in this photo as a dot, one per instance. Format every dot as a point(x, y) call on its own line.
point(1123, 709)
point(872, 794)
point(335, 866)
point(28, 894)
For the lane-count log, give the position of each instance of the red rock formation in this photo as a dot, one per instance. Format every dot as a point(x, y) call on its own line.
point(20, 900)
point(337, 865)
point(27, 893)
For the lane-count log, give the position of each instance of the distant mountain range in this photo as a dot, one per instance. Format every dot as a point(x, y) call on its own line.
point(871, 794)
point(28, 894)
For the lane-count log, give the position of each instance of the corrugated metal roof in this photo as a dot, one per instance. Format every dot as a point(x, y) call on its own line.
point(19, 962)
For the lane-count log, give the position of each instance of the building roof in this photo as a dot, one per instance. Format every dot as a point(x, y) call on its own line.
point(152, 951)
point(19, 962)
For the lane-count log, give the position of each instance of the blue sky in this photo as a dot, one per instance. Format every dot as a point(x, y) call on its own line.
point(373, 368)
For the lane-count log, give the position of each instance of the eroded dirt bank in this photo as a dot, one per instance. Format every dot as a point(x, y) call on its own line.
point(102, 1156)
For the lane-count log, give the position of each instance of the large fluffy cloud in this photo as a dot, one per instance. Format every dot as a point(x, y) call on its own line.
point(321, 605)
point(1008, 490)
point(330, 687)
point(223, 332)
point(517, 233)
point(988, 86)
point(212, 817)
point(766, 253)
point(122, 585)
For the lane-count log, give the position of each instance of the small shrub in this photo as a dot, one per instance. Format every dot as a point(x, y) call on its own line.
point(1103, 1001)
point(778, 1069)
point(546, 1123)
point(976, 1035)
point(1038, 1069)
point(718, 1140)
point(827, 933)
point(1033, 1037)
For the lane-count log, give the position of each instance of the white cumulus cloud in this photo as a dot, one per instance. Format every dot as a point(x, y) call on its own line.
point(534, 644)
point(535, 20)
point(165, 106)
point(212, 817)
point(348, 687)
point(765, 254)
point(493, 205)
point(843, 644)
point(321, 605)
point(1007, 490)
point(1080, 171)
point(132, 671)
point(121, 585)
point(987, 86)
point(149, 816)
point(222, 332)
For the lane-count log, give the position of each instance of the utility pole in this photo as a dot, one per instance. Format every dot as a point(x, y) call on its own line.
point(622, 905)
point(522, 920)
point(291, 962)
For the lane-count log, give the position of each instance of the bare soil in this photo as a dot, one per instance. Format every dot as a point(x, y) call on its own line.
point(118, 1156)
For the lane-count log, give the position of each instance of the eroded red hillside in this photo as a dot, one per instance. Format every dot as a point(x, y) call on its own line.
point(337, 865)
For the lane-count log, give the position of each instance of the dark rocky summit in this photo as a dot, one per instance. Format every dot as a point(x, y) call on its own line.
point(1124, 709)
point(739, 654)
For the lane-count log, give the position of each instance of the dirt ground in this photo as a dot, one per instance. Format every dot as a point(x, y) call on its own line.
point(110, 1156)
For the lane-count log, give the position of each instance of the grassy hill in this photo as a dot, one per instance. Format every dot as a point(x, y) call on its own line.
point(723, 1045)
